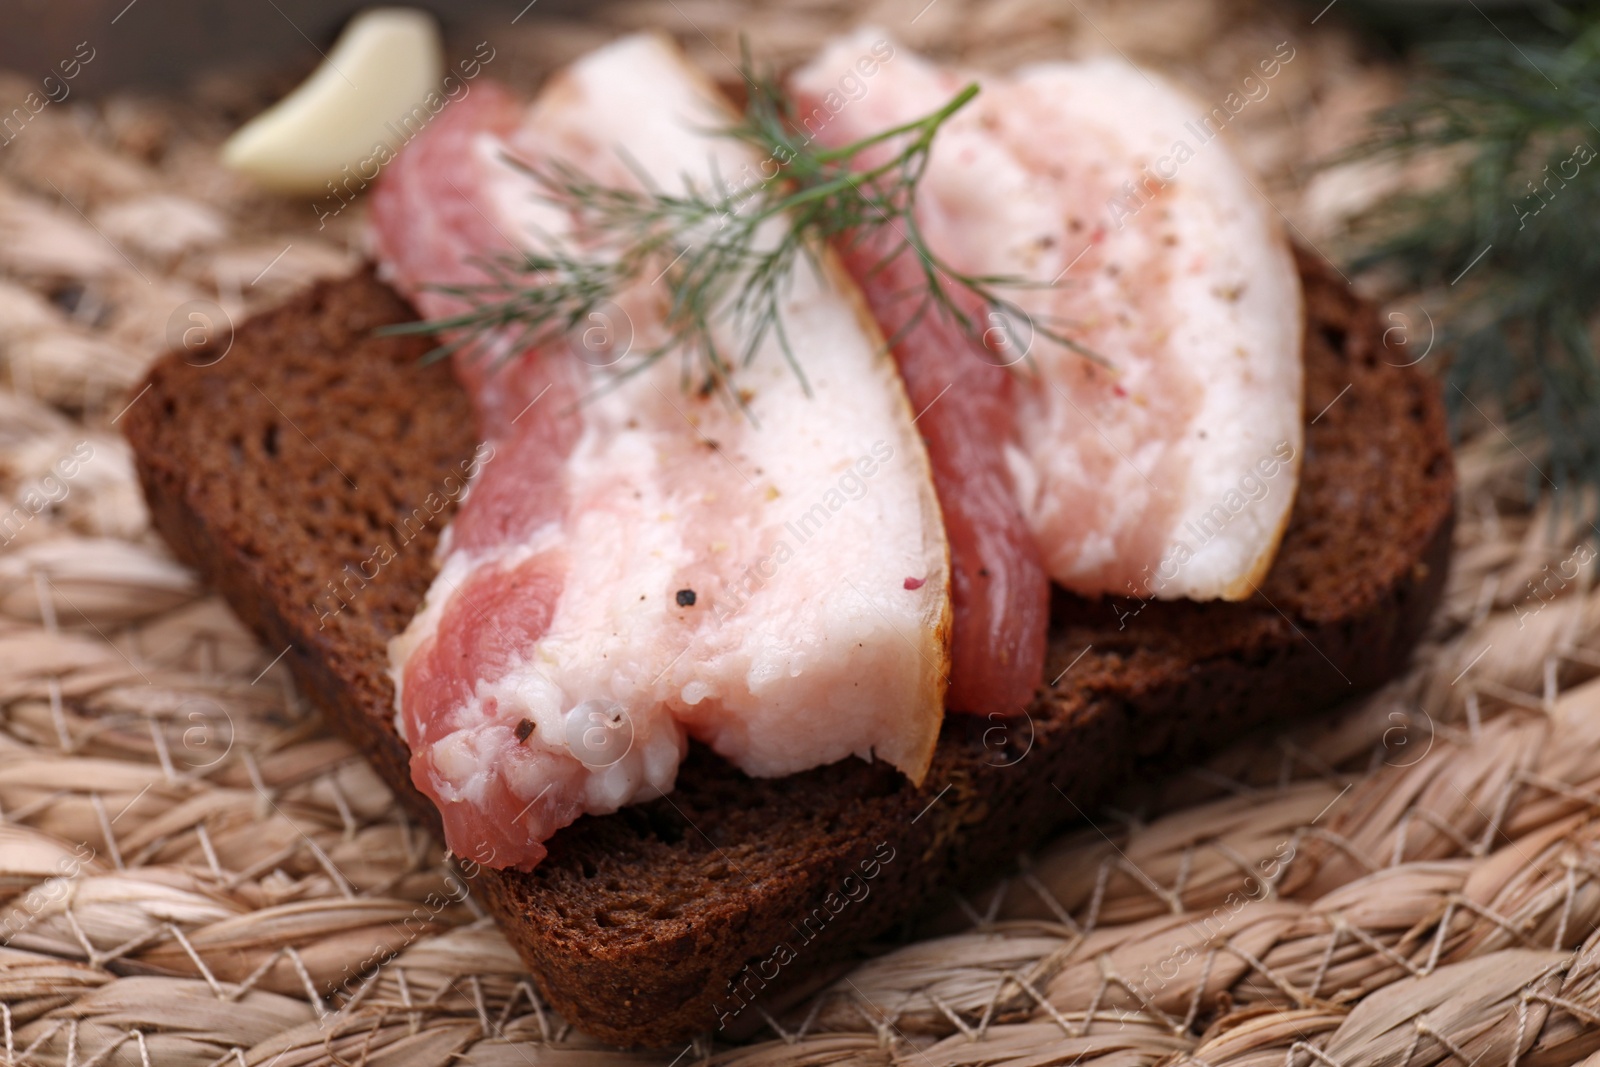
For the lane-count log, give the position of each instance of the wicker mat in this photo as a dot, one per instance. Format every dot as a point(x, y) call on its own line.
point(192, 871)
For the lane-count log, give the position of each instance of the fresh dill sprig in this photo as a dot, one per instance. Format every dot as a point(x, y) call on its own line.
point(1508, 246)
point(728, 254)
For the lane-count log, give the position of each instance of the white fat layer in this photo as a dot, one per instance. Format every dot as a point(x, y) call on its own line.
point(1189, 291)
point(795, 526)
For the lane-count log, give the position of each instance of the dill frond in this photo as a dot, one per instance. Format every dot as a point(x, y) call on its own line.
point(728, 255)
point(1509, 247)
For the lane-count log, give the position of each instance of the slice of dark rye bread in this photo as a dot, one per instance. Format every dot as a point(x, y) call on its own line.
point(283, 472)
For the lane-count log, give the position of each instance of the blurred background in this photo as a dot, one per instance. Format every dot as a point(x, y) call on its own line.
point(167, 43)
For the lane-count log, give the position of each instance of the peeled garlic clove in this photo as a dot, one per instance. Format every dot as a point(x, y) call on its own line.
point(349, 111)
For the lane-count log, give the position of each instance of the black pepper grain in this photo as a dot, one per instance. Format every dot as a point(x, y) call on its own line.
point(524, 730)
point(686, 598)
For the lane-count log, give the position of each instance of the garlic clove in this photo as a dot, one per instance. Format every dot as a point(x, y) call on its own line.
point(349, 111)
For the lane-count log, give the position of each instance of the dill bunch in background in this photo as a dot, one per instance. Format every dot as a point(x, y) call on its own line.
point(1507, 248)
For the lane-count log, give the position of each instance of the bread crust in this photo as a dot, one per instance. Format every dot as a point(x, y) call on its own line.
point(666, 919)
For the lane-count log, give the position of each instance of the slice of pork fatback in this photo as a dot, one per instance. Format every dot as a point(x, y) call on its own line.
point(1171, 471)
point(636, 564)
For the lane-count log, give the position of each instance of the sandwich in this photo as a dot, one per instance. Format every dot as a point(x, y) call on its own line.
point(732, 594)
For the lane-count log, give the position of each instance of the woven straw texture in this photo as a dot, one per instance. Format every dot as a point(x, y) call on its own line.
point(193, 872)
